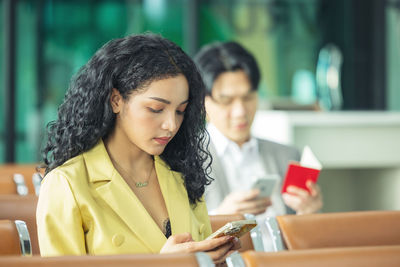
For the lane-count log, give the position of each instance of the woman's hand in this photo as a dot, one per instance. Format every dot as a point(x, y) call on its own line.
point(218, 248)
point(244, 202)
point(303, 202)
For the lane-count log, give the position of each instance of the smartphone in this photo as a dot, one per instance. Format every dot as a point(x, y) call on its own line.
point(266, 185)
point(235, 228)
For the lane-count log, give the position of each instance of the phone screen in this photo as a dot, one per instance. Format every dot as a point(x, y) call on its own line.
point(266, 185)
point(236, 228)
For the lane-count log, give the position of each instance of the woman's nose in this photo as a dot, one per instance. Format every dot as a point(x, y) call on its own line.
point(170, 123)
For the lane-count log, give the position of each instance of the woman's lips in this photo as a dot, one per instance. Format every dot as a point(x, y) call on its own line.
point(162, 140)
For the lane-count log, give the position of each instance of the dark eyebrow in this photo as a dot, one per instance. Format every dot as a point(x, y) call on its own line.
point(161, 100)
point(166, 101)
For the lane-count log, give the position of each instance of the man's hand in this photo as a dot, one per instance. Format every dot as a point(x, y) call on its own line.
point(244, 202)
point(301, 201)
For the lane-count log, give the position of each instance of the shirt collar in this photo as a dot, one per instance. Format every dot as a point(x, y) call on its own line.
point(222, 143)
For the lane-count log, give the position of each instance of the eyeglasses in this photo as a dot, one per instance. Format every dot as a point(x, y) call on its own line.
point(229, 100)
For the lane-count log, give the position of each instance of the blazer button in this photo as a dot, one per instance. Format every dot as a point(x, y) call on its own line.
point(117, 240)
point(201, 228)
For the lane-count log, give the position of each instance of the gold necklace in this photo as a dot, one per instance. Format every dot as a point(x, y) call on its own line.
point(145, 183)
point(138, 184)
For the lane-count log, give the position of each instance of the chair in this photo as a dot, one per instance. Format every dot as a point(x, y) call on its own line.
point(250, 241)
point(30, 180)
point(13, 184)
point(387, 256)
point(143, 260)
point(15, 207)
point(14, 238)
point(345, 229)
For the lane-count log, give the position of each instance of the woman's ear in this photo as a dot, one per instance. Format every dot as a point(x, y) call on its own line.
point(116, 101)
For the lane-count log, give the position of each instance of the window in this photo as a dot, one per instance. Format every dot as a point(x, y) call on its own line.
point(55, 38)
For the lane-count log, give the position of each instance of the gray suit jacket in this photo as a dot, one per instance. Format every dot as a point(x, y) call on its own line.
point(275, 158)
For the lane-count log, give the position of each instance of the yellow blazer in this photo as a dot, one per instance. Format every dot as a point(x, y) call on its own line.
point(86, 207)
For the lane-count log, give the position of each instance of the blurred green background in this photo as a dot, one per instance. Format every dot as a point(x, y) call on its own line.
point(54, 38)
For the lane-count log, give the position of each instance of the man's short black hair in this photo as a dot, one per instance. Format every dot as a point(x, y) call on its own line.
point(217, 58)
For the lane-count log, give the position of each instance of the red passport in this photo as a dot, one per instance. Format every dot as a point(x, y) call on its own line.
point(298, 175)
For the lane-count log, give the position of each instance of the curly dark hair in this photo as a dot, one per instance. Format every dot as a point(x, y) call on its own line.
point(219, 57)
point(129, 64)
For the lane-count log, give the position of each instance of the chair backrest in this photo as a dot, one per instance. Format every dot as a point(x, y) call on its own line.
point(14, 238)
point(217, 221)
point(9, 243)
point(147, 260)
point(27, 171)
point(13, 184)
point(388, 256)
point(15, 207)
point(7, 185)
point(323, 230)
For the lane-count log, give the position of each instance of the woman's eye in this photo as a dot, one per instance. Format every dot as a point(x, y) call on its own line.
point(155, 110)
point(180, 112)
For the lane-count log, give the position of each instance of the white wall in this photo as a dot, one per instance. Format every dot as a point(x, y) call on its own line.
point(359, 151)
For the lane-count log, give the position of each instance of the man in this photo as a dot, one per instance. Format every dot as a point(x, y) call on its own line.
point(231, 76)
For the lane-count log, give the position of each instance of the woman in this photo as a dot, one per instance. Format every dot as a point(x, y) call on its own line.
point(124, 158)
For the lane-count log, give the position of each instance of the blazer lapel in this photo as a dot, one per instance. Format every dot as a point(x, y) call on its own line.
point(175, 197)
point(117, 194)
point(218, 170)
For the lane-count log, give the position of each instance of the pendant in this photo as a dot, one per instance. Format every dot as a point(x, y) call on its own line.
point(140, 184)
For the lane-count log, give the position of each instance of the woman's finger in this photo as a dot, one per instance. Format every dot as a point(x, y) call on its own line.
point(237, 244)
point(180, 238)
point(210, 244)
point(219, 254)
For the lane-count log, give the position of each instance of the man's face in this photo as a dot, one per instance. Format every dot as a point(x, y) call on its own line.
point(232, 105)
